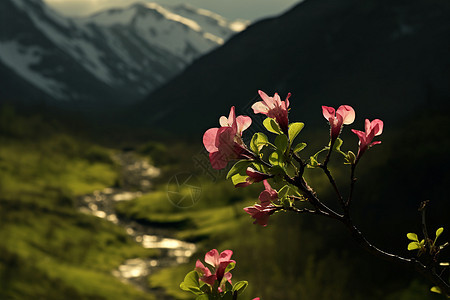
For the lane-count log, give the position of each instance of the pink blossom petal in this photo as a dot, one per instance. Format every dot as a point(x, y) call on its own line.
point(260, 108)
point(272, 192)
point(228, 277)
point(277, 99)
point(243, 122)
point(220, 271)
point(347, 113)
point(380, 126)
point(232, 115)
point(287, 100)
point(361, 135)
point(212, 258)
point(199, 267)
point(267, 100)
point(218, 160)
point(225, 138)
point(367, 126)
point(267, 186)
point(209, 139)
point(225, 255)
point(256, 176)
point(243, 184)
point(223, 121)
point(328, 112)
point(261, 217)
point(211, 279)
point(265, 197)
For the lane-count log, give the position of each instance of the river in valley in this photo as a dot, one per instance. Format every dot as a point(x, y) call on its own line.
point(137, 175)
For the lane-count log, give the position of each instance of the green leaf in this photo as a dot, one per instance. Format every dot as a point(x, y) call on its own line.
point(230, 267)
point(239, 168)
point(313, 163)
point(412, 236)
point(202, 297)
point(337, 145)
point(228, 296)
point(191, 283)
point(259, 140)
point(239, 287)
point(436, 289)
point(238, 178)
point(272, 126)
point(281, 142)
point(299, 147)
point(294, 130)
point(439, 232)
point(413, 246)
point(276, 158)
point(350, 158)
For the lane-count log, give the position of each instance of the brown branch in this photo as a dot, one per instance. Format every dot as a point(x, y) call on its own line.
point(308, 211)
point(352, 185)
point(425, 270)
point(333, 183)
point(301, 184)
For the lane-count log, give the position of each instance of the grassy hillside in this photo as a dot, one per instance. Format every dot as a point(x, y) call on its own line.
point(304, 257)
point(49, 250)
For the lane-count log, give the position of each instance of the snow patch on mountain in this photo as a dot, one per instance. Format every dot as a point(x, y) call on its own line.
point(23, 60)
point(134, 49)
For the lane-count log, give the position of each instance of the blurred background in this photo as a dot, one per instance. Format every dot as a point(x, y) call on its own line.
point(106, 191)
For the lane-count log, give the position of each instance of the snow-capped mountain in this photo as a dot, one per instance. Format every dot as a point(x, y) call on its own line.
point(117, 55)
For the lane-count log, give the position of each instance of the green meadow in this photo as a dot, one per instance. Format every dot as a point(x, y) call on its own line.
point(50, 250)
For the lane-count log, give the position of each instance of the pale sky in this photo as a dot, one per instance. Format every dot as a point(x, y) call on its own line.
point(230, 9)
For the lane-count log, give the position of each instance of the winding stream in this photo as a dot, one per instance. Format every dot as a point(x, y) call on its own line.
point(137, 178)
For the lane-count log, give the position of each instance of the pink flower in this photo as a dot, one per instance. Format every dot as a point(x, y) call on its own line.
point(274, 108)
point(373, 129)
point(268, 195)
point(225, 143)
point(253, 176)
point(262, 212)
point(205, 273)
point(219, 262)
point(345, 114)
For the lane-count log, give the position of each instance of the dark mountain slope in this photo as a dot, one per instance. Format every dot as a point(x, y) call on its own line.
point(386, 58)
point(43, 62)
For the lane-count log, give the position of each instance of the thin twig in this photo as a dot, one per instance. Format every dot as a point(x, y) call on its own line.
point(308, 211)
point(352, 185)
point(333, 183)
point(422, 209)
point(300, 183)
point(301, 162)
point(427, 271)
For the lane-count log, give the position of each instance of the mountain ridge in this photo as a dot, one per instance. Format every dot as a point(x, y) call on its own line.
point(385, 58)
point(94, 61)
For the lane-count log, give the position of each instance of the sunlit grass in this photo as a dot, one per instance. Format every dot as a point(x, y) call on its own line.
point(48, 249)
